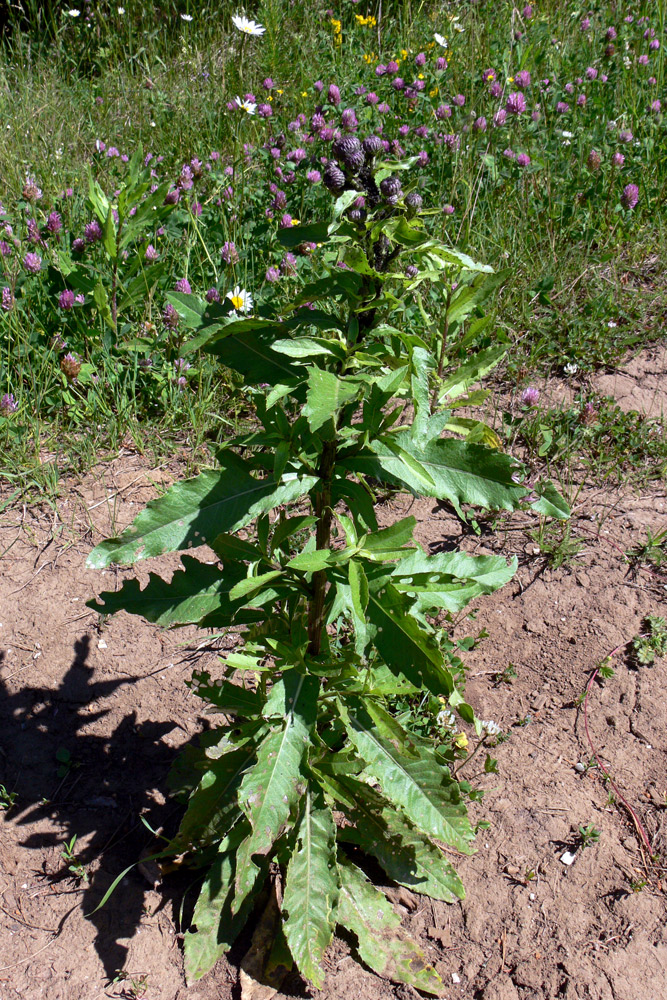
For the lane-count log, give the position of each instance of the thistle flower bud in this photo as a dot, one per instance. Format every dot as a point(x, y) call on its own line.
point(372, 146)
point(413, 202)
point(348, 152)
point(390, 188)
point(70, 366)
point(333, 177)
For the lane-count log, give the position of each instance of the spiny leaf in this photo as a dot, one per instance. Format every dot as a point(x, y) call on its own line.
point(311, 888)
point(409, 773)
point(450, 580)
point(273, 786)
point(366, 912)
point(197, 510)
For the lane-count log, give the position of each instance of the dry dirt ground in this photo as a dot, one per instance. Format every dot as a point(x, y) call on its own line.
point(92, 715)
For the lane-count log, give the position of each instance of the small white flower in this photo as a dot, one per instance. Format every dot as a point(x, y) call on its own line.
point(247, 106)
point(121, 10)
point(491, 728)
point(73, 12)
point(441, 41)
point(240, 299)
point(186, 17)
point(447, 719)
point(567, 135)
point(612, 323)
point(249, 27)
point(570, 368)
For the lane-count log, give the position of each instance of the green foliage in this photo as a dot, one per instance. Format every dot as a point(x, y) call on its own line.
point(652, 642)
point(338, 618)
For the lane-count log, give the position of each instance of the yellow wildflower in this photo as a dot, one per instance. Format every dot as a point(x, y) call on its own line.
point(461, 742)
point(421, 76)
point(433, 93)
point(296, 222)
point(510, 79)
point(404, 53)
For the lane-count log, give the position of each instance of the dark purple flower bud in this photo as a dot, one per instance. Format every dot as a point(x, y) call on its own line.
point(333, 177)
point(611, 34)
point(413, 202)
point(372, 146)
point(7, 299)
point(213, 295)
point(391, 188)
point(171, 197)
point(349, 153)
point(411, 271)
point(93, 231)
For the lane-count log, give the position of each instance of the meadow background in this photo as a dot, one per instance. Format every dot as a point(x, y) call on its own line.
point(540, 136)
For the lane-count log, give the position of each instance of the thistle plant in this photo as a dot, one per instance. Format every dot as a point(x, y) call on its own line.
point(355, 387)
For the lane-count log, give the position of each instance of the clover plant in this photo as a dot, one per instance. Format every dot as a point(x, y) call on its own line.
point(335, 617)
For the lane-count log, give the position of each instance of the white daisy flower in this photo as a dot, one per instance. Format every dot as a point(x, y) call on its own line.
point(240, 299)
point(249, 27)
point(441, 41)
point(247, 106)
point(73, 12)
point(186, 17)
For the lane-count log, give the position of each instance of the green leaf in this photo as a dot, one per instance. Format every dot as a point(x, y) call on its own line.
point(404, 646)
point(316, 232)
point(213, 808)
point(198, 510)
point(274, 785)
point(216, 926)
point(451, 580)
point(407, 856)
point(359, 603)
point(391, 540)
point(251, 353)
point(409, 774)
point(343, 201)
point(309, 347)
point(471, 371)
point(194, 593)
point(230, 698)
point(311, 888)
point(311, 562)
point(466, 298)
point(250, 584)
point(189, 307)
point(109, 234)
point(461, 472)
point(550, 502)
point(101, 300)
point(326, 394)
point(366, 912)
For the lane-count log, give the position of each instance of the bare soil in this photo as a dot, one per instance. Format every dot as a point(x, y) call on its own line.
point(93, 714)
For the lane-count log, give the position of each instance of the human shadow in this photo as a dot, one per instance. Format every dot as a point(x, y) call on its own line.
point(72, 778)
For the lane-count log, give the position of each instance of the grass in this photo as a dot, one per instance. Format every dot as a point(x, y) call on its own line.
point(583, 284)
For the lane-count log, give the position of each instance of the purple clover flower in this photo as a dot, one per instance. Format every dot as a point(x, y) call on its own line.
point(272, 274)
point(516, 103)
point(7, 299)
point(32, 262)
point(229, 253)
point(333, 94)
point(630, 196)
point(530, 396)
point(66, 299)
point(213, 295)
point(8, 404)
point(92, 231)
point(459, 100)
point(183, 285)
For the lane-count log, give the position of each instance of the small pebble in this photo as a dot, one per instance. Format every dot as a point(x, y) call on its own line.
point(580, 767)
point(568, 858)
point(455, 977)
point(101, 644)
point(531, 895)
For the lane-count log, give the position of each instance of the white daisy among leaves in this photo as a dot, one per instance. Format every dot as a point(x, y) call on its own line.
point(247, 106)
point(73, 12)
point(441, 41)
point(249, 27)
point(186, 17)
point(240, 299)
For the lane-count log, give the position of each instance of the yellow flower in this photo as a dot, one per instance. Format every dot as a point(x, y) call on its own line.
point(296, 222)
point(404, 53)
point(304, 93)
point(421, 76)
point(278, 91)
point(433, 93)
point(510, 79)
point(490, 76)
point(461, 742)
point(270, 97)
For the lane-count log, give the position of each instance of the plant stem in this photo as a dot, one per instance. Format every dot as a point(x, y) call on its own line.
point(441, 362)
point(324, 516)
